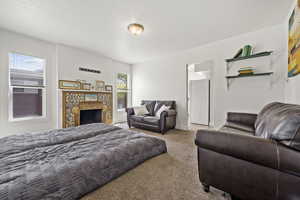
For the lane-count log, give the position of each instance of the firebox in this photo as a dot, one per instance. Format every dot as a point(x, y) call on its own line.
point(90, 116)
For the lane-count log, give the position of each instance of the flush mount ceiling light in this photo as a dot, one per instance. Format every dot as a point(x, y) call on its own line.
point(135, 29)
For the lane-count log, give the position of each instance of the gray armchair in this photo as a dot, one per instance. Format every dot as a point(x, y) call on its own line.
point(162, 124)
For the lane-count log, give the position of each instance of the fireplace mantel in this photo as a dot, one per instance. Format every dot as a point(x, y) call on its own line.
point(73, 101)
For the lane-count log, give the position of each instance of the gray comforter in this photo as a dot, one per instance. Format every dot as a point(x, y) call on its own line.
point(68, 163)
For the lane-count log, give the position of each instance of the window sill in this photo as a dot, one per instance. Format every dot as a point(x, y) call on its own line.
point(121, 110)
point(24, 119)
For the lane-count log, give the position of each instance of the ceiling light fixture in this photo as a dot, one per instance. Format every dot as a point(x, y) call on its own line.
point(135, 29)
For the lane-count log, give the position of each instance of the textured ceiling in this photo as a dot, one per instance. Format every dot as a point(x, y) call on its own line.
point(170, 25)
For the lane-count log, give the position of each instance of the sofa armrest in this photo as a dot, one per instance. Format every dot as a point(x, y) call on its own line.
point(130, 111)
point(168, 113)
point(244, 147)
point(246, 119)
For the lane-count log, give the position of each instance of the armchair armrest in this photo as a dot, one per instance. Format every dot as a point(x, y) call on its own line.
point(244, 119)
point(245, 147)
point(130, 111)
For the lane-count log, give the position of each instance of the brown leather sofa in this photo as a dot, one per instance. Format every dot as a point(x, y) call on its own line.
point(253, 157)
point(162, 124)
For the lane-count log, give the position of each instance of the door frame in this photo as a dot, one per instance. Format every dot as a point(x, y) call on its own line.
point(188, 100)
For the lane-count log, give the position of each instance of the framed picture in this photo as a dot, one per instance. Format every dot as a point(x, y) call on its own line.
point(108, 88)
point(91, 97)
point(86, 86)
point(99, 85)
point(294, 43)
point(72, 85)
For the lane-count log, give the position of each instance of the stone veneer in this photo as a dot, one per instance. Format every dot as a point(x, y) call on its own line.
point(74, 101)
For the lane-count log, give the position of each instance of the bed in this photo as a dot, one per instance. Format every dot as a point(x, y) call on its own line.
point(69, 163)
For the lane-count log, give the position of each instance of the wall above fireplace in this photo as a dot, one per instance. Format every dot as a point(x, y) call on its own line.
point(73, 102)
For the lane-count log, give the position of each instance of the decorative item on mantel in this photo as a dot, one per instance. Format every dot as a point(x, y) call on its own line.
point(99, 85)
point(85, 86)
point(108, 88)
point(71, 85)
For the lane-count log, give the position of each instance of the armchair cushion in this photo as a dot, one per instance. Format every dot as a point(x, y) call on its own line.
point(280, 122)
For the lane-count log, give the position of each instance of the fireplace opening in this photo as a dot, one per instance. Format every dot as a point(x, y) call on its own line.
point(90, 116)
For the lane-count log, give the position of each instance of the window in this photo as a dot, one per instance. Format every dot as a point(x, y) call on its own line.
point(26, 86)
point(122, 91)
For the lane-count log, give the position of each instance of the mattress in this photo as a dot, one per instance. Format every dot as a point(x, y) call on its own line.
point(69, 163)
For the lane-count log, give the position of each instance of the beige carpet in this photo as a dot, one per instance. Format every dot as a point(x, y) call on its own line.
point(171, 176)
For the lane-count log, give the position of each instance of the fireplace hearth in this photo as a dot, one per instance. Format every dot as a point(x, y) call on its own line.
point(90, 116)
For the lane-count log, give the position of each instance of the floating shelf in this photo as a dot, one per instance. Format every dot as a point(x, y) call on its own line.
point(250, 75)
point(262, 54)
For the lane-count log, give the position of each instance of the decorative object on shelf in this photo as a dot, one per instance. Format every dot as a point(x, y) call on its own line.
point(294, 42)
point(238, 54)
point(91, 97)
point(89, 70)
point(72, 85)
point(108, 88)
point(261, 54)
point(246, 71)
point(85, 86)
point(247, 50)
point(99, 85)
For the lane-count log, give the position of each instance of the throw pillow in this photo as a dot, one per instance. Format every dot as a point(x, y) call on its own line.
point(140, 111)
point(162, 109)
point(150, 107)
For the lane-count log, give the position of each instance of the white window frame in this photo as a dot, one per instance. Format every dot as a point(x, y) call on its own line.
point(10, 93)
point(128, 90)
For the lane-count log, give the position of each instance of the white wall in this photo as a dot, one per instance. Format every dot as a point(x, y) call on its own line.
point(70, 59)
point(11, 42)
point(62, 64)
point(293, 85)
point(165, 78)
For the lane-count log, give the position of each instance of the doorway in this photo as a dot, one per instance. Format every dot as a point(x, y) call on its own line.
point(198, 95)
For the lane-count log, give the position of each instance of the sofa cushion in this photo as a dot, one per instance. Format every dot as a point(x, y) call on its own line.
point(137, 118)
point(241, 127)
point(228, 129)
point(152, 120)
point(171, 104)
point(281, 122)
point(140, 110)
point(150, 106)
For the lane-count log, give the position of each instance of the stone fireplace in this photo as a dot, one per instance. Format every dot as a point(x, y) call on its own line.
point(84, 107)
point(90, 116)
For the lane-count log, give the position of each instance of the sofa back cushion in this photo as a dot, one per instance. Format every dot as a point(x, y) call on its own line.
point(280, 122)
point(152, 109)
point(150, 106)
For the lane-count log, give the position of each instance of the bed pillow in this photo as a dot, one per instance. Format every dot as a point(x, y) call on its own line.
point(162, 109)
point(141, 110)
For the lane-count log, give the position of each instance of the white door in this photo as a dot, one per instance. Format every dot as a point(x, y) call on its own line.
point(199, 102)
